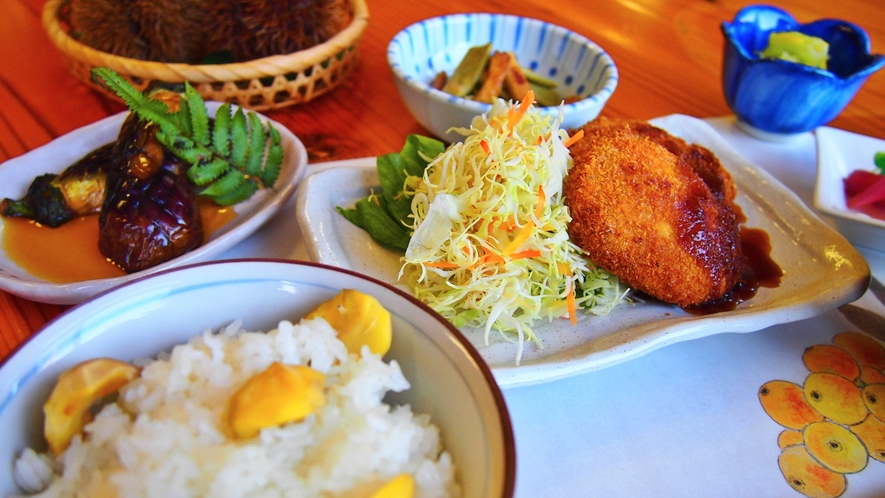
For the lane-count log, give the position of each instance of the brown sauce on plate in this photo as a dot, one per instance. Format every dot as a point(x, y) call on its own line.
point(70, 252)
point(759, 270)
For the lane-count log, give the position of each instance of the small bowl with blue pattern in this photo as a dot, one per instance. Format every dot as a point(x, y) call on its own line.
point(776, 99)
point(585, 75)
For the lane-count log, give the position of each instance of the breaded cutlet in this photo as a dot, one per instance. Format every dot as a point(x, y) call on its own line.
point(655, 211)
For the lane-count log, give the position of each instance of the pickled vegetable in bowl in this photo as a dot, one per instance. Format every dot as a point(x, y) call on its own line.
point(780, 89)
point(795, 46)
point(485, 75)
point(865, 190)
point(850, 187)
point(581, 70)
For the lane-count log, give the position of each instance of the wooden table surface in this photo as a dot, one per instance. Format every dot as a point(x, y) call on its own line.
point(668, 53)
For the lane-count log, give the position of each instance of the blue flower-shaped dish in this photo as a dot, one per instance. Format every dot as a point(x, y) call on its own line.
point(774, 98)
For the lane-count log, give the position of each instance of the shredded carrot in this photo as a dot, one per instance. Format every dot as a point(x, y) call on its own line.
point(526, 231)
point(570, 301)
point(508, 225)
point(574, 138)
point(520, 238)
point(542, 199)
point(515, 114)
point(485, 146)
point(486, 258)
point(441, 264)
point(530, 253)
point(540, 139)
point(478, 261)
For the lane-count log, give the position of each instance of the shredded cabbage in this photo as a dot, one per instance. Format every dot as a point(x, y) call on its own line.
point(490, 247)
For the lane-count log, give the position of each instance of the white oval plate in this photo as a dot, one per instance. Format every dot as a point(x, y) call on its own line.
point(840, 152)
point(17, 174)
point(821, 270)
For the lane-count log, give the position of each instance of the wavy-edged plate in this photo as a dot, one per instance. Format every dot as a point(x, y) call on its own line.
point(822, 270)
point(17, 174)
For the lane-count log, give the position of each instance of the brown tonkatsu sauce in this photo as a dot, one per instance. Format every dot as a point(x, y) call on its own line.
point(759, 270)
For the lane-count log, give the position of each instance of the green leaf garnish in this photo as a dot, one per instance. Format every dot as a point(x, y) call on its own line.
point(386, 216)
point(274, 162)
point(194, 113)
point(239, 135)
point(229, 182)
point(230, 162)
point(256, 147)
point(221, 132)
point(203, 173)
point(371, 214)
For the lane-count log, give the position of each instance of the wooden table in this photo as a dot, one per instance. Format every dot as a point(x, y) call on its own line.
point(669, 56)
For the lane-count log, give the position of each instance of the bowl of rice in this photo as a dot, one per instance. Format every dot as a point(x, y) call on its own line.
point(428, 408)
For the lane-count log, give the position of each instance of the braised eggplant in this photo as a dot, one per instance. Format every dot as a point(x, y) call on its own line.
point(53, 200)
point(168, 151)
point(150, 213)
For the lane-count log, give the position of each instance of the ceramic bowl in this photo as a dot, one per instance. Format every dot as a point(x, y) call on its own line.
point(774, 98)
point(839, 153)
point(449, 380)
point(420, 51)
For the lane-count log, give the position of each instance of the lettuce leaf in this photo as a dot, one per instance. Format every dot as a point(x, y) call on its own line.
point(386, 217)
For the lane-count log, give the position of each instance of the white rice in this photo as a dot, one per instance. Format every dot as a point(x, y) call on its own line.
point(163, 436)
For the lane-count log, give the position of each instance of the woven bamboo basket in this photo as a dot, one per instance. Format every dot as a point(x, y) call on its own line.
point(261, 84)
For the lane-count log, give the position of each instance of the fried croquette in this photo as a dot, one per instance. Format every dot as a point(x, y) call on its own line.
point(655, 211)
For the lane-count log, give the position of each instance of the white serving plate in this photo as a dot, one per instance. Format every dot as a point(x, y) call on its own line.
point(839, 153)
point(821, 270)
point(17, 174)
point(448, 379)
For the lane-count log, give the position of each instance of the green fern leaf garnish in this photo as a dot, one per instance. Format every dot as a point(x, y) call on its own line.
point(183, 116)
point(204, 173)
point(229, 182)
point(196, 115)
point(240, 194)
point(184, 147)
point(257, 141)
point(221, 131)
point(239, 135)
point(230, 158)
point(149, 109)
point(274, 161)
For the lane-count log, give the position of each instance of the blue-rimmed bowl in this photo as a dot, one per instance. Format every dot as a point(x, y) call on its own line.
point(774, 98)
point(449, 380)
point(420, 51)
